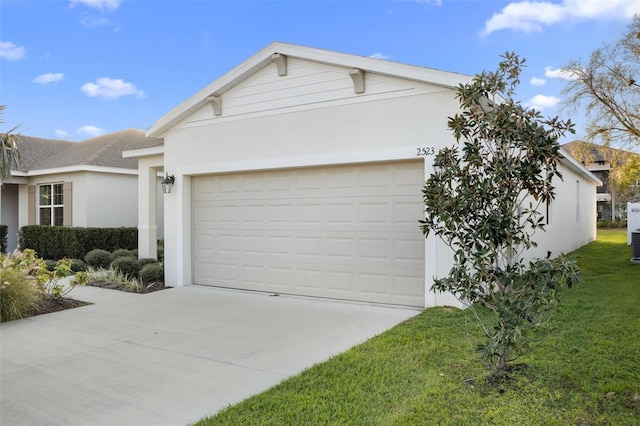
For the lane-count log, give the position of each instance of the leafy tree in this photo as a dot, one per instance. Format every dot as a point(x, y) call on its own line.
point(608, 86)
point(628, 177)
point(483, 201)
point(624, 169)
point(9, 155)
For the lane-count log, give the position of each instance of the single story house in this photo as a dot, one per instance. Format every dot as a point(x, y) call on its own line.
point(61, 183)
point(300, 172)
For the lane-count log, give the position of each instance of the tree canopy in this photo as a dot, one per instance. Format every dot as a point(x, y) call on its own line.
point(624, 170)
point(9, 156)
point(608, 88)
point(484, 201)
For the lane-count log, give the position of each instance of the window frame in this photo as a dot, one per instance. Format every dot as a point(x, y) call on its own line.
point(54, 220)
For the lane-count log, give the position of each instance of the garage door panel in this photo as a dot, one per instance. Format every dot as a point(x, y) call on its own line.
point(347, 232)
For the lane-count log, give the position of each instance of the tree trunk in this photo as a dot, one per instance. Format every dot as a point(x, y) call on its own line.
point(503, 356)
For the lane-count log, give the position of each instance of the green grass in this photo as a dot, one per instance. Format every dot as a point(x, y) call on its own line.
point(425, 370)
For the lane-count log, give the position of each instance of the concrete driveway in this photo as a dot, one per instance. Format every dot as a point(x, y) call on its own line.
point(169, 357)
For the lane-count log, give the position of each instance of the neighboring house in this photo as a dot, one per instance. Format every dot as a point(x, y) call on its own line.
point(63, 183)
point(300, 172)
point(611, 200)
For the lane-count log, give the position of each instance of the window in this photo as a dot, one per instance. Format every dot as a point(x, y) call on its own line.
point(51, 204)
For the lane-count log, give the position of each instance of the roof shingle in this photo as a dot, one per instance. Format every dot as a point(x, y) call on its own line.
point(103, 151)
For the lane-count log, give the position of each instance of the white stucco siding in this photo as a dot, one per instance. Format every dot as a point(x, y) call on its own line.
point(111, 200)
point(97, 199)
point(78, 192)
point(402, 123)
point(572, 222)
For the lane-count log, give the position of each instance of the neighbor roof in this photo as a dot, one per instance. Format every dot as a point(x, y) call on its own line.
point(590, 152)
point(102, 151)
point(264, 57)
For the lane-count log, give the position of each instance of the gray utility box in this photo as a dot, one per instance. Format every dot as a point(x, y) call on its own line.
point(635, 246)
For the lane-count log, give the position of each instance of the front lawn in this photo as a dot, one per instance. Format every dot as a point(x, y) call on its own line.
point(425, 370)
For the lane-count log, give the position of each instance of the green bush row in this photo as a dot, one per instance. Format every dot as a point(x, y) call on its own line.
point(126, 261)
point(4, 229)
point(57, 242)
point(611, 223)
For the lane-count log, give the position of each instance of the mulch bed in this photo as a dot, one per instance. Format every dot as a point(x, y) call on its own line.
point(48, 306)
point(115, 286)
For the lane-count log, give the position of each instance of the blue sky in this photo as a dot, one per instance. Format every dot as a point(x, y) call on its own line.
point(81, 68)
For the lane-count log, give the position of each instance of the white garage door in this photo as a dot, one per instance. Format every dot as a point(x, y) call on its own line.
point(345, 232)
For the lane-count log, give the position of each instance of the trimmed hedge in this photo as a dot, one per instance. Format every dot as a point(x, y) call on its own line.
point(56, 242)
point(611, 223)
point(4, 229)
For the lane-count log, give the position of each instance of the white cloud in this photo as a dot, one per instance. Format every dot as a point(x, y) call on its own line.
point(61, 134)
point(92, 22)
point(110, 88)
point(98, 4)
point(529, 16)
point(379, 56)
point(91, 131)
point(51, 77)
point(537, 81)
point(541, 102)
point(560, 73)
point(10, 51)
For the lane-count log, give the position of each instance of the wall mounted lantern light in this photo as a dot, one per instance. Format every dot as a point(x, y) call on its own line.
point(167, 183)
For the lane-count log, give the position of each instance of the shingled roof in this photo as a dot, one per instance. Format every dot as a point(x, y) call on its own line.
point(102, 151)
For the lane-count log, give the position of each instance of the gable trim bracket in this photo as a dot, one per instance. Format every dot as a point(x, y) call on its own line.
point(216, 103)
point(281, 63)
point(357, 75)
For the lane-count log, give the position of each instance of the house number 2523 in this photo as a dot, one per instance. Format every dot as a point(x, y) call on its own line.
point(425, 151)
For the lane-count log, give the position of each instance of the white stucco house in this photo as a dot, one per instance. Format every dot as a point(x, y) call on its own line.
point(85, 184)
point(300, 172)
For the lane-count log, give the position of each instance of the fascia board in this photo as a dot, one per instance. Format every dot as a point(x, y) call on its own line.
point(143, 152)
point(263, 58)
point(82, 168)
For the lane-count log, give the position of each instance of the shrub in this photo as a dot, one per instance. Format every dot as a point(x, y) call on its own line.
point(52, 287)
point(50, 264)
point(121, 253)
point(98, 258)
point(160, 254)
point(25, 282)
point(146, 261)
point(134, 252)
point(20, 292)
point(116, 277)
point(78, 265)
point(611, 223)
point(475, 201)
point(151, 273)
point(126, 265)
